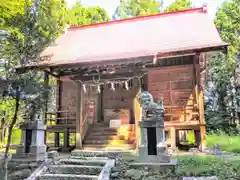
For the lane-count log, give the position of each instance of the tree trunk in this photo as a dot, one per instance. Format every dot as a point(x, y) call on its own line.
point(14, 120)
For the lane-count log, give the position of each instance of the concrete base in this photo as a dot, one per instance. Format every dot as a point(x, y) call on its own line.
point(35, 149)
point(154, 158)
point(161, 166)
point(29, 157)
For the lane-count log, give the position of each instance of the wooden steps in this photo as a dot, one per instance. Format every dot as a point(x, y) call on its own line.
point(101, 137)
point(109, 147)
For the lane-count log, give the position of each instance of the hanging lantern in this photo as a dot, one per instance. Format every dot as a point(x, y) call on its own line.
point(126, 85)
point(84, 88)
point(112, 87)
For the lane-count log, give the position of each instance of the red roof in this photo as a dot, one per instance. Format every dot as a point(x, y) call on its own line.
point(135, 37)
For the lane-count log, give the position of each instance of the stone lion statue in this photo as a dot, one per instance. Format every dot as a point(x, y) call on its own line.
point(151, 108)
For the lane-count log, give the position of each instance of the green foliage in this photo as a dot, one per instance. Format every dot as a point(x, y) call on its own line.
point(10, 9)
point(222, 94)
point(79, 15)
point(227, 143)
point(178, 5)
point(227, 21)
point(133, 8)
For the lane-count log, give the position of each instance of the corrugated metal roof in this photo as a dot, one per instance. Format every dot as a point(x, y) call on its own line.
point(135, 37)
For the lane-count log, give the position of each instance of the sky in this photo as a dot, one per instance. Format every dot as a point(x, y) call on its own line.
point(110, 5)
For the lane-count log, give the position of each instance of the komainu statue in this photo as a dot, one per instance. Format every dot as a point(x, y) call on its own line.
point(151, 109)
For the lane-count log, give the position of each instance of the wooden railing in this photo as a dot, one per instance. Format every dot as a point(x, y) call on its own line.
point(84, 122)
point(67, 119)
point(62, 117)
point(188, 110)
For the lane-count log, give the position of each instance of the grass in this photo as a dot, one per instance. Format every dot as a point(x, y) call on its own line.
point(208, 166)
point(227, 143)
point(188, 166)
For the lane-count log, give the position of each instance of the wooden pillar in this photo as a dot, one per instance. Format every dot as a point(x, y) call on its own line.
point(56, 139)
point(196, 79)
point(137, 112)
point(66, 139)
point(79, 100)
point(46, 84)
point(46, 93)
point(197, 138)
point(100, 108)
point(200, 102)
point(173, 137)
point(202, 121)
point(177, 138)
point(101, 104)
point(58, 104)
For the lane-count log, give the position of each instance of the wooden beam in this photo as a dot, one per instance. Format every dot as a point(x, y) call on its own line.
point(174, 55)
point(105, 76)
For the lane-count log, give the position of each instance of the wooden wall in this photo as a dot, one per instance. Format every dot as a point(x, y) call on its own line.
point(120, 99)
point(176, 85)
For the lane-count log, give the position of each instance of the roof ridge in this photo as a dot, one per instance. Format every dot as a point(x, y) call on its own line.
point(201, 9)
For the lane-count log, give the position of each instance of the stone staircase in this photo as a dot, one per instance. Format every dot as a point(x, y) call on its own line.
point(101, 137)
point(78, 167)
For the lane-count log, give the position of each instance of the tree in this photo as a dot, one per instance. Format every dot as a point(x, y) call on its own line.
point(78, 15)
point(178, 5)
point(228, 24)
point(225, 70)
point(9, 9)
point(134, 8)
point(40, 24)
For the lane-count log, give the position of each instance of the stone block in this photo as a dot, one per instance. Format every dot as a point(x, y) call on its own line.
point(53, 154)
point(74, 169)
point(201, 178)
point(35, 149)
point(133, 174)
point(21, 174)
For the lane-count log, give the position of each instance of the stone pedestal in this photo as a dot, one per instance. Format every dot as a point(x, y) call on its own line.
point(32, 145)
point(161, 154)
point(152, 147)
point(160, 158)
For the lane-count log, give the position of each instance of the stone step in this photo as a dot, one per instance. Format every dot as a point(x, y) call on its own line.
point(74, 169)
point(105, 137)
point(102, 155)
point(103, 128)
point(103, 133)
point(109, 147)
point(66, 177)
point(108, 142)
point(88, 162)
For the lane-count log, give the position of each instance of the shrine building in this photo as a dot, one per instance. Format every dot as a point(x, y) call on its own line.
point(101, 68)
